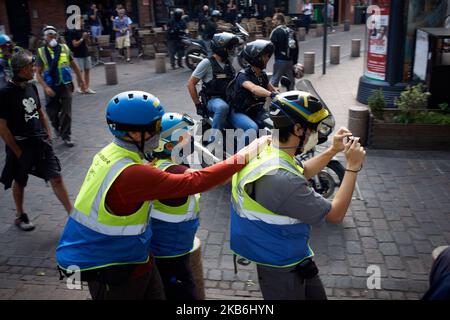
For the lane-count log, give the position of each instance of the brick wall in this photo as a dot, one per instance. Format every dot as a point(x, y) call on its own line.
point(47, 12)
point(3, 16)
point(145, 15)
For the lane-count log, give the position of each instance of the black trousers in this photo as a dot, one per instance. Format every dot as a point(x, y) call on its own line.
point(289, 284)
point(116, 283)
point(59, 110)
point(175, 47)
point(176, 276)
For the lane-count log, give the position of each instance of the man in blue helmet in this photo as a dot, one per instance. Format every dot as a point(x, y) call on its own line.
point(107, 236)
point(174, 221)
point(7, 50)
point(273, 207)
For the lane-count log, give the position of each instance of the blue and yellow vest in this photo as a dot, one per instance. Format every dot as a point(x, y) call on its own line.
point(64, 69)
point(173, 228)
point(93, 237)
point(258, 234)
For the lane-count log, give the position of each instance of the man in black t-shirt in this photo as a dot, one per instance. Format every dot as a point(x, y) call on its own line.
point(78, 41)
point(27, 135)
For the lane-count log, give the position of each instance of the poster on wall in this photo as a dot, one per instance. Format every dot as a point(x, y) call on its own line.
point(421, 55)
point(377, 40)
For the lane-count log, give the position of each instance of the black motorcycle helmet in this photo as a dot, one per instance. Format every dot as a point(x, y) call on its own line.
point(223, 42)
point(254, 51)
point(178, 13)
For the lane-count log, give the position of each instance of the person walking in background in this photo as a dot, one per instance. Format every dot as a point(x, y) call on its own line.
point(54, 67)
point(78, 42)
point(330, 15)
point(203, 17)
point(95, 21)
point(122, 29)
point(27, 136)
point(307, 13)
point(175, 29)
point(232, 10)
point(286, 50)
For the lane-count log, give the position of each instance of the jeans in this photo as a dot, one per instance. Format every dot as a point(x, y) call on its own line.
point(244, 122)
point(220, 109)
point(96, 31)
point(283, 68)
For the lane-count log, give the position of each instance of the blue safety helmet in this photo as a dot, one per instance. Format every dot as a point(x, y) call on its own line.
point(4, 39)
point(134, 111)
point(170, 123)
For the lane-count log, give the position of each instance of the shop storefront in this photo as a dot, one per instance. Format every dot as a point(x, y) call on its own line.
point(390, 37)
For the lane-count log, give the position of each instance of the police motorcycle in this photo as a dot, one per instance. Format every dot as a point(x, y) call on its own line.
point(196, 50)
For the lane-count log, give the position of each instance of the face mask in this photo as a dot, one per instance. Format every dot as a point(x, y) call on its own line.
point(53, 43)
point(312, 141)
point(151, 144)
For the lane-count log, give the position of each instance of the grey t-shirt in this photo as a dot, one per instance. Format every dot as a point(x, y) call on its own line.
point(287, 194)
point(204, 70)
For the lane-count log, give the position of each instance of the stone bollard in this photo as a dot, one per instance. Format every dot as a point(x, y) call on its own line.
point(347, 25)
point(358, 120)
point(319, 30)
point(111, 73)
point(335, 52)
point(195, 261)
point(356, 47)
point(301, 35)
point(308, 62)
point(160, 63)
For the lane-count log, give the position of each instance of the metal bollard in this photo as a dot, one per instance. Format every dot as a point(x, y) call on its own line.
point(356, 47)
point(308, 62)
point(160, 63)
point(111, 73)
point(335, 52)
point(301, 34)
point(358, 119)
point(347, 25)
point(195, 261)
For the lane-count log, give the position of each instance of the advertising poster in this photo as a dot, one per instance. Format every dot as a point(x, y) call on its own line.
point(377, 40)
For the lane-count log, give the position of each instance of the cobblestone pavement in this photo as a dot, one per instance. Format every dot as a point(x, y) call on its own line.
point(404, 215)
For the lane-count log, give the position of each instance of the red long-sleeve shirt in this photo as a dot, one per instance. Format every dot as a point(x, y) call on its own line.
point(139, 183)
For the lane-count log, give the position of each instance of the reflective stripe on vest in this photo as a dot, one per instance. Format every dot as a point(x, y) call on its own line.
point(186, 212)
point(90, 209)
point(245, 205)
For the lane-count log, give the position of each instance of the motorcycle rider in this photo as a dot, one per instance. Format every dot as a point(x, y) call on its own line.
point(273, 206)
point(176, 28)
point(215, 72)
point(251, 85)
point(211, 28)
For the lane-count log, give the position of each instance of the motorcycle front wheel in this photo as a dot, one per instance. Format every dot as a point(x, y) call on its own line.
point(330, 178)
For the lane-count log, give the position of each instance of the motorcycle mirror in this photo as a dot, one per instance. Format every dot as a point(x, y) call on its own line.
point(285, 82)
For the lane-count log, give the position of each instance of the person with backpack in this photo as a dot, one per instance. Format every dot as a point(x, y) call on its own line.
point(215, 72)
point(286, 50)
